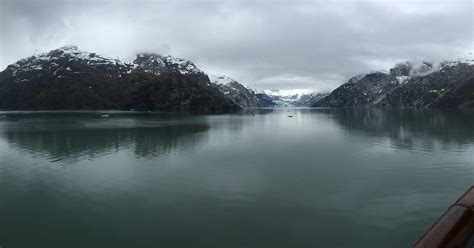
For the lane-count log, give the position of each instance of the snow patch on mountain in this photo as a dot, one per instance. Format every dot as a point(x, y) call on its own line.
point(402, 79)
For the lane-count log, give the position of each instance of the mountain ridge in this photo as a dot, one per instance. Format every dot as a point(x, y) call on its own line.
point(242, 95)
point(68, 78)
point(408, 85)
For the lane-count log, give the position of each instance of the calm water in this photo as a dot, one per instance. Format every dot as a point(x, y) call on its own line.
point(324, 178)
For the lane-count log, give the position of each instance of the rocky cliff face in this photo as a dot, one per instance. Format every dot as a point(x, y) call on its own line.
point(67, 78)
point(407, 85)
point(240, 94)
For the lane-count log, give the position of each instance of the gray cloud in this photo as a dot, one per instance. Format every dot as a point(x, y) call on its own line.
point(265, 44)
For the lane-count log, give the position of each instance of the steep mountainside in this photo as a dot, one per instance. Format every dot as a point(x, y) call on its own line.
point(448, 84)
point(67, 78)
point(240, 94)
point(264, 99)
point(360, 91)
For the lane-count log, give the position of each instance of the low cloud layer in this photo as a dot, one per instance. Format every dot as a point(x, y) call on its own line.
point(264, 44)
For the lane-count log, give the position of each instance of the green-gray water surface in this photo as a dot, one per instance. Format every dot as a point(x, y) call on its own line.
point(322, 178)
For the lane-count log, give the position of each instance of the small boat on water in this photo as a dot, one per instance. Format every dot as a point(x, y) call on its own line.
point(105, 116)
point(290, 116)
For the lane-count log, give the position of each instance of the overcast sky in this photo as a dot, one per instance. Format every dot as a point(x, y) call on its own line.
point(264, 44)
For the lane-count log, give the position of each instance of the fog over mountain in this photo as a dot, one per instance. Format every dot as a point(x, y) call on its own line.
point(264, 44)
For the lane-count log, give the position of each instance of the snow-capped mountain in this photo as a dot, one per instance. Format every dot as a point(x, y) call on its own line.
point(294, 97)
point(446, 84)
point(54, 60)
point(68, 78)
point(239, 93)
point(160, 64)
point(235, 91)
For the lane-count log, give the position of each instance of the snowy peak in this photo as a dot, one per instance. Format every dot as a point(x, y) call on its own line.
point(73, 53)
point(158, 64)
point(67, 58)
point(404, 71)
point(154, 63)
point(239, 93)
point(401, 73)
point(414, 69)
point(229, 82)
point(225, 80)
point(222, 79)
point(235, 91)
point(68, 78)
point(184, 66)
